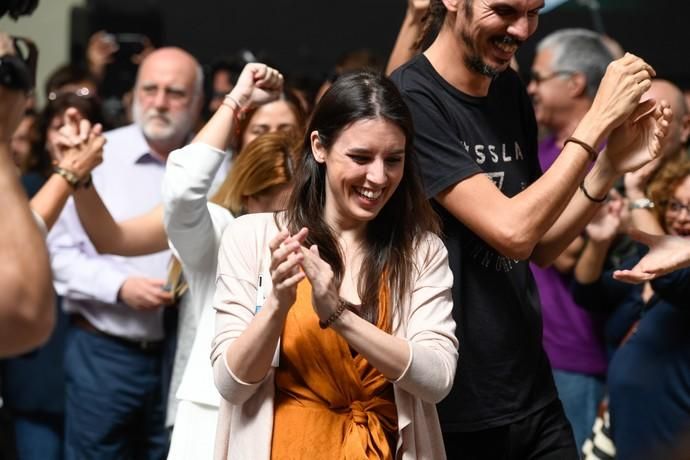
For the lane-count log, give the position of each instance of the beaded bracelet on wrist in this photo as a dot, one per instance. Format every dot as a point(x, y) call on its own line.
point(342, 306)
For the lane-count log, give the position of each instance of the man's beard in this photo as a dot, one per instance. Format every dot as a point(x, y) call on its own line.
point(476, 64)
point(474, 61)
point(175, 125)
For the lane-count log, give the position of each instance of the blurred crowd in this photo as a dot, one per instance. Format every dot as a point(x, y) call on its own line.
point(570, 300)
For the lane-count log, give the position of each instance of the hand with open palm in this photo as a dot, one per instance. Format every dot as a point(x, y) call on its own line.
point(638, 140)
point(666, 254)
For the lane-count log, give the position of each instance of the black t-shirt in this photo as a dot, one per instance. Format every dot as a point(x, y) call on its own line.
point(503, 373)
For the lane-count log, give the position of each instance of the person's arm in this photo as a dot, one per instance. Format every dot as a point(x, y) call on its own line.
point(423, 362)
point(539, 222)
point(188, 176)
point(76, 162)
point(137, 236)
point(636, 182)
point(674, 287)
point(601, 232)
point(80, 150)
point(590, 265)
point(256, 85)
point(82, 274)
point(565, 263)
point(603, 294)
point(666, 254)
point(190, 171)
point(631, 145)
point(593, 287)
point(27, 311)
point(245, 340)
point(643, 219)
point(48, 202)
point(517, 227)
point(404, 50)
point(387, 353)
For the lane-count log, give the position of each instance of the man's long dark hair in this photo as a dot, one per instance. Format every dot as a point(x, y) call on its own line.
point(391, 238)
point(431, 24)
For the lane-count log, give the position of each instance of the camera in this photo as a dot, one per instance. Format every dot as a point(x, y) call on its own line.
point(18, 71)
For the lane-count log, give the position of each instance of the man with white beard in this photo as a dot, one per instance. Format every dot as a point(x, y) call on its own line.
point(114, 405)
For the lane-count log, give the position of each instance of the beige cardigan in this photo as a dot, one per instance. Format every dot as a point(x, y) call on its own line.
point(245, 422)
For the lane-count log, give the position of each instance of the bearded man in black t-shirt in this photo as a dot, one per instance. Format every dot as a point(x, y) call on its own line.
point(476, 138)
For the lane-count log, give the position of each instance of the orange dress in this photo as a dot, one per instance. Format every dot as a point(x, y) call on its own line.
point(330, 403)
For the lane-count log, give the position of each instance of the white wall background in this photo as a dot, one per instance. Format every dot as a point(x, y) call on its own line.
point(48, 27)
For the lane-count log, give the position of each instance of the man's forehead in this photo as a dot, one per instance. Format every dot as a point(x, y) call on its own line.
point(662, 89)
point(518, 5)
point(167, 70)
point(172, 80)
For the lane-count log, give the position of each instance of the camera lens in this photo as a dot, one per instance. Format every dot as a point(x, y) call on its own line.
point(14, 74)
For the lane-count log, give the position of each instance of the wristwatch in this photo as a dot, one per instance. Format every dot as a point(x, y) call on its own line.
point(641, 203)
point(71, 178)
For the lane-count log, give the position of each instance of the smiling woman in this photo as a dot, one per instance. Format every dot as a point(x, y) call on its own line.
point(364, 167)
point(334, 330)
point(670, 193)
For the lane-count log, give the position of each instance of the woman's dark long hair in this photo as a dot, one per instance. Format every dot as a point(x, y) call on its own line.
point(392, 236)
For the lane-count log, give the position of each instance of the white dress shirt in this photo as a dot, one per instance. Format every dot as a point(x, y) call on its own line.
point(129, 182)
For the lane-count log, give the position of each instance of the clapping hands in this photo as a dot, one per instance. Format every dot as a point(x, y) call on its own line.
point(291, 262)
point(79, 146)
point(286, 256)
point(324, 292)
point(638, 140)
point(619, 93)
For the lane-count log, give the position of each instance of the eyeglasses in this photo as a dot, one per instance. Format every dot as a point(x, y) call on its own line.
point(538, 79)
point(676, 207)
